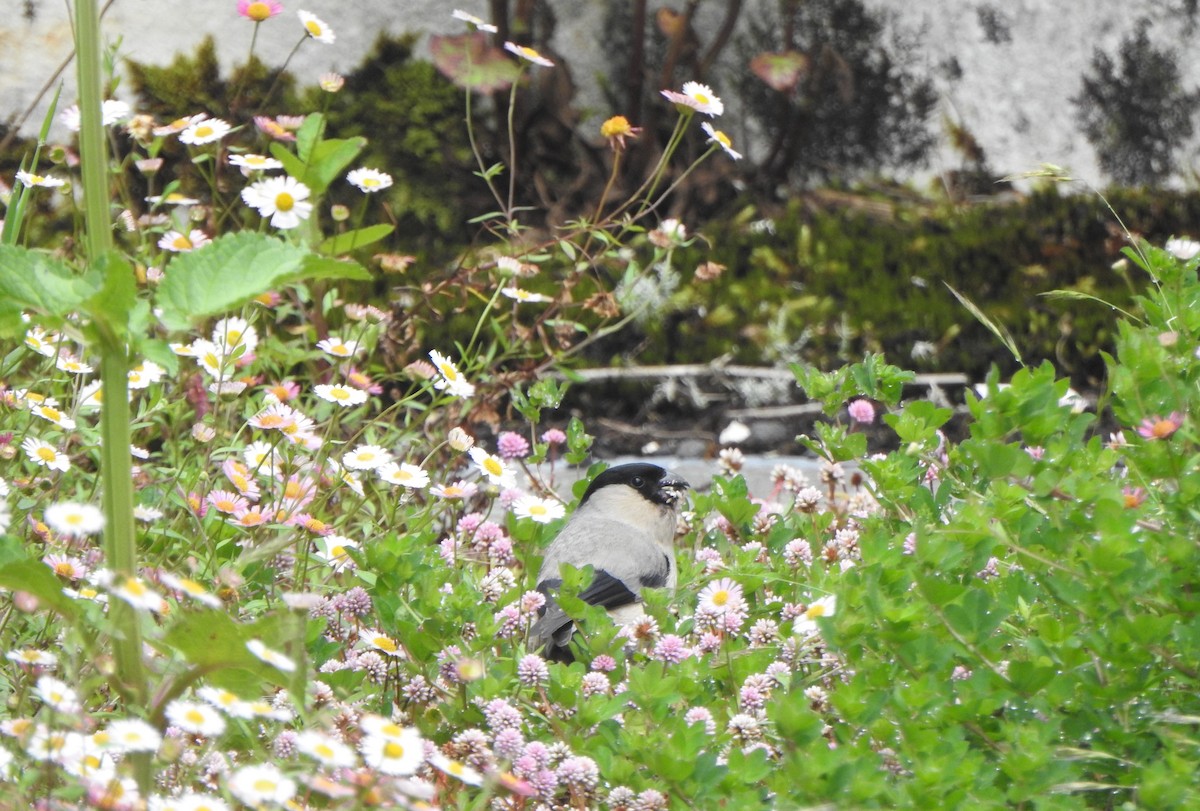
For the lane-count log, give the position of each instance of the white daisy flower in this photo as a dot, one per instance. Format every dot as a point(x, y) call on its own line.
point(205, 132)
point(403, 474)
point(316, 27)
point(73, 519)
point(283, 199)
point(345, 396)
point(272, 657)
point(369, 180)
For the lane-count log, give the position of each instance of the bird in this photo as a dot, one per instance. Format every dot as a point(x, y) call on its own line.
point(624, 528)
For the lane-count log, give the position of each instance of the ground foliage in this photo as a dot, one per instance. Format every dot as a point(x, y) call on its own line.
point(324, 598)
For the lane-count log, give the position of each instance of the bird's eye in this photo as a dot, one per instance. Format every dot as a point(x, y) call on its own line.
point(638, 482)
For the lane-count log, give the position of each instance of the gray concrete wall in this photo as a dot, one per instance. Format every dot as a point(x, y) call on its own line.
point(1014, 95)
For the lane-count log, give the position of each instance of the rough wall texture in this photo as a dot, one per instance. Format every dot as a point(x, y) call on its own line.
point(1006, 71)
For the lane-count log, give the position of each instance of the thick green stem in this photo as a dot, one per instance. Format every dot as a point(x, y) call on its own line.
point(93, 156)
point(115, 465)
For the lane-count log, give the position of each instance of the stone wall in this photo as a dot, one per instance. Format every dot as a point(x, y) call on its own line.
point(1006, 71)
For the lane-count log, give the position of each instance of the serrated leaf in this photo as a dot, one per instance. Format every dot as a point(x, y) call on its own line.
point(352, 240)
point(472, 63)
point(212, 641)
point(780, 71)
point(30, 280)
point(224, 274)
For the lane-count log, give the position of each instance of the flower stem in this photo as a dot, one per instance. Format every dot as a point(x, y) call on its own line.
point(512, 147)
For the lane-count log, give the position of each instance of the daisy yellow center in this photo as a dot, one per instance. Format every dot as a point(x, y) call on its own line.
point(359, 379)
point(1162, 428)
point(224, 504)
point(538, 509)
point(284, 201)
point(203, 131)
point(271, 421)
point(264, 785)
point(370, 181)
point(177, 124)
point(56, 415)
point(291, 490)
point(493, 467)
point(392, 749)
point(324, 750)
point(815, 611)
point(181, 242)
point(617, 125)
point(135, 588)
point(75, 519)
point(36, 179)
point(258, 11)
point(448, 372)
point(455, 768)
point(314, 28)
point(64, 569)
point(530, 52)
point(700, 97)
point(195, 716)
point(382, 642)
point(339, 394)
point(720, 598)
point(192, 587)
point(453, 492)
point(722, 138)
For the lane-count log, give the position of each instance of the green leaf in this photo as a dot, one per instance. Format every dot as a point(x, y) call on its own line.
point(35, 577)
point(309, 135)
point(358, 238)
point(30, 280)
point(212, 641)
point(328, 160)
point(293, 165)
point(112, 306)
point(224, 274)
point(324, 267)
point(472, 63)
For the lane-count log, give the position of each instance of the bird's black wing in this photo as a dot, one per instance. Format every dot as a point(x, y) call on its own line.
point(554, 628)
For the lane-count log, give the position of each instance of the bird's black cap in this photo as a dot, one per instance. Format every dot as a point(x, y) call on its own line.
point(655, 483)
